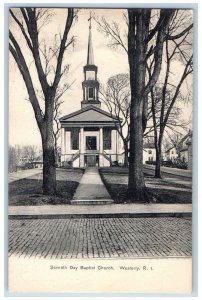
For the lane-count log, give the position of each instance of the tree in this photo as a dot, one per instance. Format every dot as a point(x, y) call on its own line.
point(147, 33)
point(140, 35)
point(168, 93)
point(14, 158)
point(30, 21)
point(56, 126)
point(30, 152)
point(116, 97)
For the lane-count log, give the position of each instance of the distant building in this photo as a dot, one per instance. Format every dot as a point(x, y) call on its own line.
point(171, 154)
point(185, 150)
point(149, 152)
point(182, 151)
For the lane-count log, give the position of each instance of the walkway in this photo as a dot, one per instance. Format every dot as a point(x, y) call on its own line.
point(23, 174)
point(172, 171)
point(91, 189)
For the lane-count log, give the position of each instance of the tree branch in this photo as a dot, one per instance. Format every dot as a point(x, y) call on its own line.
point(18, 56)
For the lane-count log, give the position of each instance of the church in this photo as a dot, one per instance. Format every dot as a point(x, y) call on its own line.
point(89, 136)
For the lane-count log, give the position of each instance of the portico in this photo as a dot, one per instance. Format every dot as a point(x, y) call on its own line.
point(89, 143)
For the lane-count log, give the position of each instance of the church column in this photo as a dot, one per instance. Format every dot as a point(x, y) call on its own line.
point(81, 147)
point(101, 147)
point(63, 148)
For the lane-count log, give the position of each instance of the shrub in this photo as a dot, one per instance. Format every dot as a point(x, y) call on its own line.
point(177, 163)
point(150, 162)
point(67, 164)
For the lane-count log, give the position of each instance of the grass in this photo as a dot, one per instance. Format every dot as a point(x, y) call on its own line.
point(162, 190)
point(28, 191)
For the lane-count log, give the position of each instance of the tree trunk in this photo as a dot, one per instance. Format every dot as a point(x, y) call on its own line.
point(49, 168)
point(158, 162)
point(136, 57)
point(125, 154)
point(136, 185)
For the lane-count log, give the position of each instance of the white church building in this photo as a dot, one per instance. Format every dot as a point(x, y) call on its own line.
point(89, 136)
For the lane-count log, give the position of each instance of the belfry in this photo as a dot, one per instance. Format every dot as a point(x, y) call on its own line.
point(89, 136)
point(90, 84)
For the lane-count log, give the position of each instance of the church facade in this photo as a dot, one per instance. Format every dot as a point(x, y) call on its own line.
point(89, 136)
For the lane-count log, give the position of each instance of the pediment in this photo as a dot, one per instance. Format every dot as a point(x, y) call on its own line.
point(89, 115)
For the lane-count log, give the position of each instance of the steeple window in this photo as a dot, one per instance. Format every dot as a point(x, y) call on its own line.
point(90, 75)
point(90, 93)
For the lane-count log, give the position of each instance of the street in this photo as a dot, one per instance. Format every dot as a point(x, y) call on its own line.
point(100, 238)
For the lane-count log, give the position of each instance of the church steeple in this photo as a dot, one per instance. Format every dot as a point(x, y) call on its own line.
point(90, 56)
point(90, 84)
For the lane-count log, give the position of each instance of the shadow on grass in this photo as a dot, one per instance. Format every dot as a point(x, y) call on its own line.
point(161, 191)
point(28, 191)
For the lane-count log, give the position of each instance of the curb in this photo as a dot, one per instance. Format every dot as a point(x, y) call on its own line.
point(102, 216)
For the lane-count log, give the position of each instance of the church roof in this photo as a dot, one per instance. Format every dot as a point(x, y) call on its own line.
point(90, 114)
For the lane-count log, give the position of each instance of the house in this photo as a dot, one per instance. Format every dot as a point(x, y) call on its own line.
point(149, 152)
point(182, 151)
point(185, 149)
point(171, 153)
point(89, 136)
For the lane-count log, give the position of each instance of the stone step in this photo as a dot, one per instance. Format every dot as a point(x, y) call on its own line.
point(91, 202)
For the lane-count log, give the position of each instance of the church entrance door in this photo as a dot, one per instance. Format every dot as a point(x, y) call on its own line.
point(91, 160)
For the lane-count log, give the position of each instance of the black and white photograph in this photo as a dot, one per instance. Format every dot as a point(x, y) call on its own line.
point(100, 143)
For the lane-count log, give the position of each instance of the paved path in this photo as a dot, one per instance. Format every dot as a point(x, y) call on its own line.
point(91, 186)
point(23, 174)
point(172, 171)
point(100, 238)
point(109, 209)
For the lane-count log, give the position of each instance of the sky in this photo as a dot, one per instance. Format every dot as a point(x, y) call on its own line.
point(22, 125)
point(23, 129)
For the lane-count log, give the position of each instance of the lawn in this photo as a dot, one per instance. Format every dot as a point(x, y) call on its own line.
point(28, 191)
point(162, 190)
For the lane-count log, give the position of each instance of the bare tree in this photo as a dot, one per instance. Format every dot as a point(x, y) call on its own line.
point(169, 93)
point(148, 31)
point(30, 21)
point(13, 158)
point(30, 152)
point(57, 112)
point(116, 97)
point(140, 37)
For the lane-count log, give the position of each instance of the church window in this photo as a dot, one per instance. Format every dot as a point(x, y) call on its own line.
point(150, 152)
point(90, 93)
point(106, 138)
point(75, 138)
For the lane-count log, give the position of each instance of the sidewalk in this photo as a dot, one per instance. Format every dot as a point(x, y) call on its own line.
point(91, 189)
point(23, 174)
point(172, 171)
point(109, 210)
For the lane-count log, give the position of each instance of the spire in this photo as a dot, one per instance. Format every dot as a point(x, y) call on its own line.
point(90, 56)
